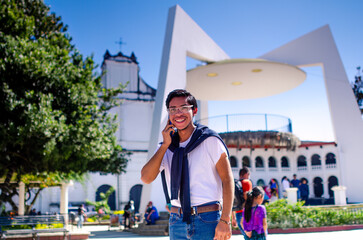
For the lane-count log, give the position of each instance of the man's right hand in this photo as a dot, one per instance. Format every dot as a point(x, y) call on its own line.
point(151, 169)
point(169, 128)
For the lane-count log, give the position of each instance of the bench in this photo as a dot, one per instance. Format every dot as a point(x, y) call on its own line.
point(56, 221)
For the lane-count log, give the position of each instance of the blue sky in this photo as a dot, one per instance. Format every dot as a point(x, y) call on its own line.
point(244, 29)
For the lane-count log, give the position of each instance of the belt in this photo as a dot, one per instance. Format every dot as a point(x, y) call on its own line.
point(198, 209)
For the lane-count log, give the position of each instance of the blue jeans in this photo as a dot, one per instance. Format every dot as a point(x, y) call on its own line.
point(80, 221)
point(152, 219)
point(202, 226)
point(238, 219)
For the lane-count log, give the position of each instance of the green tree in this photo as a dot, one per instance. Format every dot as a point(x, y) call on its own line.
point(103, 203)
point(54, 112)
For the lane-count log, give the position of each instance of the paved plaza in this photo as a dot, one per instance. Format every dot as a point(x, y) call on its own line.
point(102, 233)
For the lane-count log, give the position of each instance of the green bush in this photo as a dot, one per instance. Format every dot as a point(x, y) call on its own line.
point(38, 226)
point(280, 214)
point(4, 228)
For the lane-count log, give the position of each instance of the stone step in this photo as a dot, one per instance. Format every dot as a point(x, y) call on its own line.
point(164, 215)
point(160, 228)
point(165, 222)
point(152, 232)
point(155, 226)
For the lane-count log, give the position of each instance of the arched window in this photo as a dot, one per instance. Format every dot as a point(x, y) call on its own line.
point(259, 162)
point(330, 158)
point(318, 187)
point(246, 161)
point(135, 195)
point(315, 160)
point(301, 161)
point(260, 182)
point(233, 161)
point(285, 162)
point(112, 198)
point(332, 181)
point(272, 162)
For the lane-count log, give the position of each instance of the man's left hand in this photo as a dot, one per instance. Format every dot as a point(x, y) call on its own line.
point(223, 231)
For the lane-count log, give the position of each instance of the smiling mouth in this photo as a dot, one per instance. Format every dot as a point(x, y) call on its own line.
point(179, 120)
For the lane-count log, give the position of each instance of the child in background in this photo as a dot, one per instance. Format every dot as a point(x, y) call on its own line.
point(254, 215)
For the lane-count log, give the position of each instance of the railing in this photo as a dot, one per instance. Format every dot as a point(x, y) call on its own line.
point(248, 122)
point(273, 169)
point(286, 169)
point(316, 167)
point(331, 165)
point(304, 168)
point(260, 169)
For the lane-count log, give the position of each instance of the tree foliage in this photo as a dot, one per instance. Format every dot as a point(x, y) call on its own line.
point(357, 87)
point(103, 203)
point(53, 107)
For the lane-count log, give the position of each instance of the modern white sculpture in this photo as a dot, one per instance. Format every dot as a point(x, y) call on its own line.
point(185, 38)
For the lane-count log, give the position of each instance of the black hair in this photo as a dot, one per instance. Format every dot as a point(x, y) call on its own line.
point(251, 195)
point(243, 171)
point(181, 93)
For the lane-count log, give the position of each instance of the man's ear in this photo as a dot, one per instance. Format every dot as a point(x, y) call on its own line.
point(195, 110)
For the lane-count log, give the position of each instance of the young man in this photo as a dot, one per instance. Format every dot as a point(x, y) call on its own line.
point(296, 183)
point(244, 177)
point(197, 171)
point(151, 214)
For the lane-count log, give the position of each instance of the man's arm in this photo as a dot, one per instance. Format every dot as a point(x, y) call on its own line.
point(234, 221)
point(224, 170)
point(151, 169)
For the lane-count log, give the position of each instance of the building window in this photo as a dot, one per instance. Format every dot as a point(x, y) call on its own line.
point(332, 181)
point(285, 162)
point(301, 161)
point(111, 199)
point(272, 162)
point(318, 187)
point(259, 162)
point(330, 158)
point(246, 162)
point(260, 182)
point(233, 161)
point(315, 160)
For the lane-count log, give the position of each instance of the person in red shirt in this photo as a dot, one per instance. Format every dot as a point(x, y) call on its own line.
point(244, 177)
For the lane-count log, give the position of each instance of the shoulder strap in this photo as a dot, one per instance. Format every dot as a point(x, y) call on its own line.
point(165, 188)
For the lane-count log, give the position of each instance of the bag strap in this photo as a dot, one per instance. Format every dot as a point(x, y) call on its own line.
point(165, 188)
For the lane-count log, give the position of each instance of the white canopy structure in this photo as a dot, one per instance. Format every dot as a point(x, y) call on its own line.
point(272, 73)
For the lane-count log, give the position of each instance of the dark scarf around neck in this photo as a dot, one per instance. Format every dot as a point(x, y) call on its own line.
point(180, 168)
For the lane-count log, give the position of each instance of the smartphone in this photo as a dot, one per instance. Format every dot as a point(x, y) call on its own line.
point(175, 129)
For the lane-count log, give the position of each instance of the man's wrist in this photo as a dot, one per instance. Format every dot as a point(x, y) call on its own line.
point(224, 221)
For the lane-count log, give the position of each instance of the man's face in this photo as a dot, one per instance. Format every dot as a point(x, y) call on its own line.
point(180, 119)
point(245, 176)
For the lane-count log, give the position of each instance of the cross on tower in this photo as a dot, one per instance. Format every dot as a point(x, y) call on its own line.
point(120, 42)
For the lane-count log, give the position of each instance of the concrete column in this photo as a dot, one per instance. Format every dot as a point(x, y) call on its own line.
point(292, 195)
point(318, 48)
point(183, 37)
point(340, 195)
point(21, 206)
point(64, 200)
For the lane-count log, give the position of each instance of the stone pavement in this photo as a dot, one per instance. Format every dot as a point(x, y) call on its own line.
point(102, 233)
